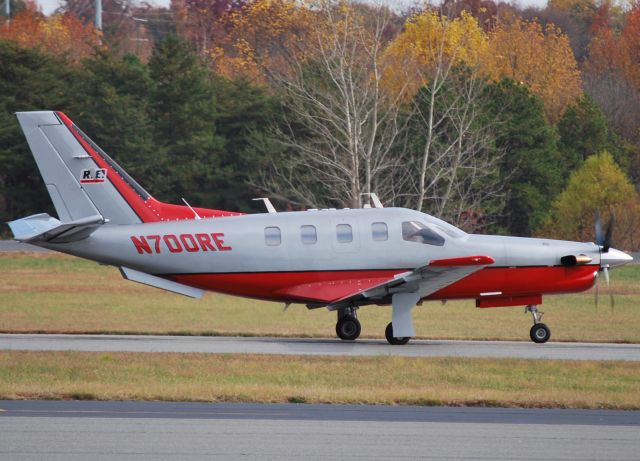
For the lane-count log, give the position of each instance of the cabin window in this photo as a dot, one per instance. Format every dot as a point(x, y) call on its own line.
point(415, 231)
point(379, 232)
point(308, 234)
point(272, 236)
point(344, 233)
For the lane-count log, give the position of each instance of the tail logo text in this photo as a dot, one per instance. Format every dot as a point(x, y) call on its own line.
point(93, 176)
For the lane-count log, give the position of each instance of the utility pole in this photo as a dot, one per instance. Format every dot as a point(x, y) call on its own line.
point(98, 14)
point(7, 8)
point(138, 39)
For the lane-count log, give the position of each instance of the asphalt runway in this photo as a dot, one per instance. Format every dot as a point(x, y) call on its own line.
point(73, 430)
point(332, 347)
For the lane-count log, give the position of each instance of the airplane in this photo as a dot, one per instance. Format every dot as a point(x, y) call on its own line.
point(339, 259)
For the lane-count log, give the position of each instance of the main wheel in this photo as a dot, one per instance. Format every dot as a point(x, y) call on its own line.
point(540, 333)
point(388, 332)
point(348, 328)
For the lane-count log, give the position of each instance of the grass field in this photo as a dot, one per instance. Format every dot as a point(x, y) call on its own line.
point(356, 380)
point(62, 294)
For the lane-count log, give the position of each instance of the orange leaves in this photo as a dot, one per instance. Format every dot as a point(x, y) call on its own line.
point(616, 53)
point(520, 50)
point(541, 59)
point(60, 34)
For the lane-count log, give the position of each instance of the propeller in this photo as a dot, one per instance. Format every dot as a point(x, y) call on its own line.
point(604, 242)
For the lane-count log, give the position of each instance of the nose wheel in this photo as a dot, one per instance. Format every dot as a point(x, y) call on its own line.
point(539, 332)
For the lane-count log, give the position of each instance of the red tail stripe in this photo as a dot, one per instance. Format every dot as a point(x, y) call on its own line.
point(150, 210)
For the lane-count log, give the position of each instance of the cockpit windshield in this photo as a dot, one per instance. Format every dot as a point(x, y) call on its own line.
point(415, 231)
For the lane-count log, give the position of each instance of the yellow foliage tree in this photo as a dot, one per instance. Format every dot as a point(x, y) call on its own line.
point(431, 42)
point(540, 58)
point(599, 185)
point(266, 34)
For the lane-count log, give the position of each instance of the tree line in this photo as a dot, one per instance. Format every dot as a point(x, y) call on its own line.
point(482, 114)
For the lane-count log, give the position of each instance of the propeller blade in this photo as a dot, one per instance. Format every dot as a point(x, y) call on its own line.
point(597, 283)
point(609, 233)
point(605, 269)
point(599, 235)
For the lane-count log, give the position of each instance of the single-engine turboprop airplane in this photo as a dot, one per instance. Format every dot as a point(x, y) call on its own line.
point(339, 259)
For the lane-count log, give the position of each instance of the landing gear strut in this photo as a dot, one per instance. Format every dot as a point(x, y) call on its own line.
point(388, 333)
point(539, 333)
point(348, 326)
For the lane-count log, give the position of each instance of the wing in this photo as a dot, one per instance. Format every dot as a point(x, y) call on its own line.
point(424, 280)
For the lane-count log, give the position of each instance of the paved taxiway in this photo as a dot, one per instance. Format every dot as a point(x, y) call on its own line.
point(335, 347)
point(168, 430)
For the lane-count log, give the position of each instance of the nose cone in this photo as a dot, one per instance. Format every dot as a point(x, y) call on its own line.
point(614, 258)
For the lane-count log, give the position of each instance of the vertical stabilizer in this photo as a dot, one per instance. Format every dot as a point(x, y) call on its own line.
point(83, 181)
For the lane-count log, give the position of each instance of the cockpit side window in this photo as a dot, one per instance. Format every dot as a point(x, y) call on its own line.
point(415, 231)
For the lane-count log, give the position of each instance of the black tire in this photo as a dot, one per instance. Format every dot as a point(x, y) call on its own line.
point(540, 333)
point(388, 333)
point(348, 328)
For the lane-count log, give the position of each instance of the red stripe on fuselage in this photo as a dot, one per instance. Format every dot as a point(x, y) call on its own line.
point(326, 286)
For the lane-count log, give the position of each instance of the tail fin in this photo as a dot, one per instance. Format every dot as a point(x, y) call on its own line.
point(83, 181)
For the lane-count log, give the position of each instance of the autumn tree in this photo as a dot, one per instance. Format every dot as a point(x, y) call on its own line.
point(268, 36)
point(204, 23)
point(59, 34)
point(599, 185)
point(612, 72)
point(122, 31)
point(430, 45)
point(539, 57)
point(573, 17)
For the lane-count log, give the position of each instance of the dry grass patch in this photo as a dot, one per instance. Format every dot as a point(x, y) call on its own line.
point(62, 294)
point(356, 380)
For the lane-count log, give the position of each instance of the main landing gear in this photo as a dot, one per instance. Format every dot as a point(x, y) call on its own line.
point(539, 333)
point(348, 327)
point(388, 333)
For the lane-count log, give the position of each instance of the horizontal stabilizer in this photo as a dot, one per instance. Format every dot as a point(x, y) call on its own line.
point(43, 228)
point(158, 282)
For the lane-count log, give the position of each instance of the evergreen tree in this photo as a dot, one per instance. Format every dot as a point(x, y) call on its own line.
point(245, 115)
point(531, 167)
point(183, 113)
point(112, 107)
point(583, 131)
point(29, 80)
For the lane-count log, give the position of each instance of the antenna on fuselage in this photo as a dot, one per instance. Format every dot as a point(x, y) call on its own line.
point(197, 216)
point(267, 203)
point(374, 198)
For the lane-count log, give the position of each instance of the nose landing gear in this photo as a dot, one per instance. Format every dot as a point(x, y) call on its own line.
point(539, 332)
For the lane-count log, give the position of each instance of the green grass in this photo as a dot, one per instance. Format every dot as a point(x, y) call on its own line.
point(354, 380)
point(61, 294)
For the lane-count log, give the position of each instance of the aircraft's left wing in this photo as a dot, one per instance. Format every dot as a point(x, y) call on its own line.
point(423, 281)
